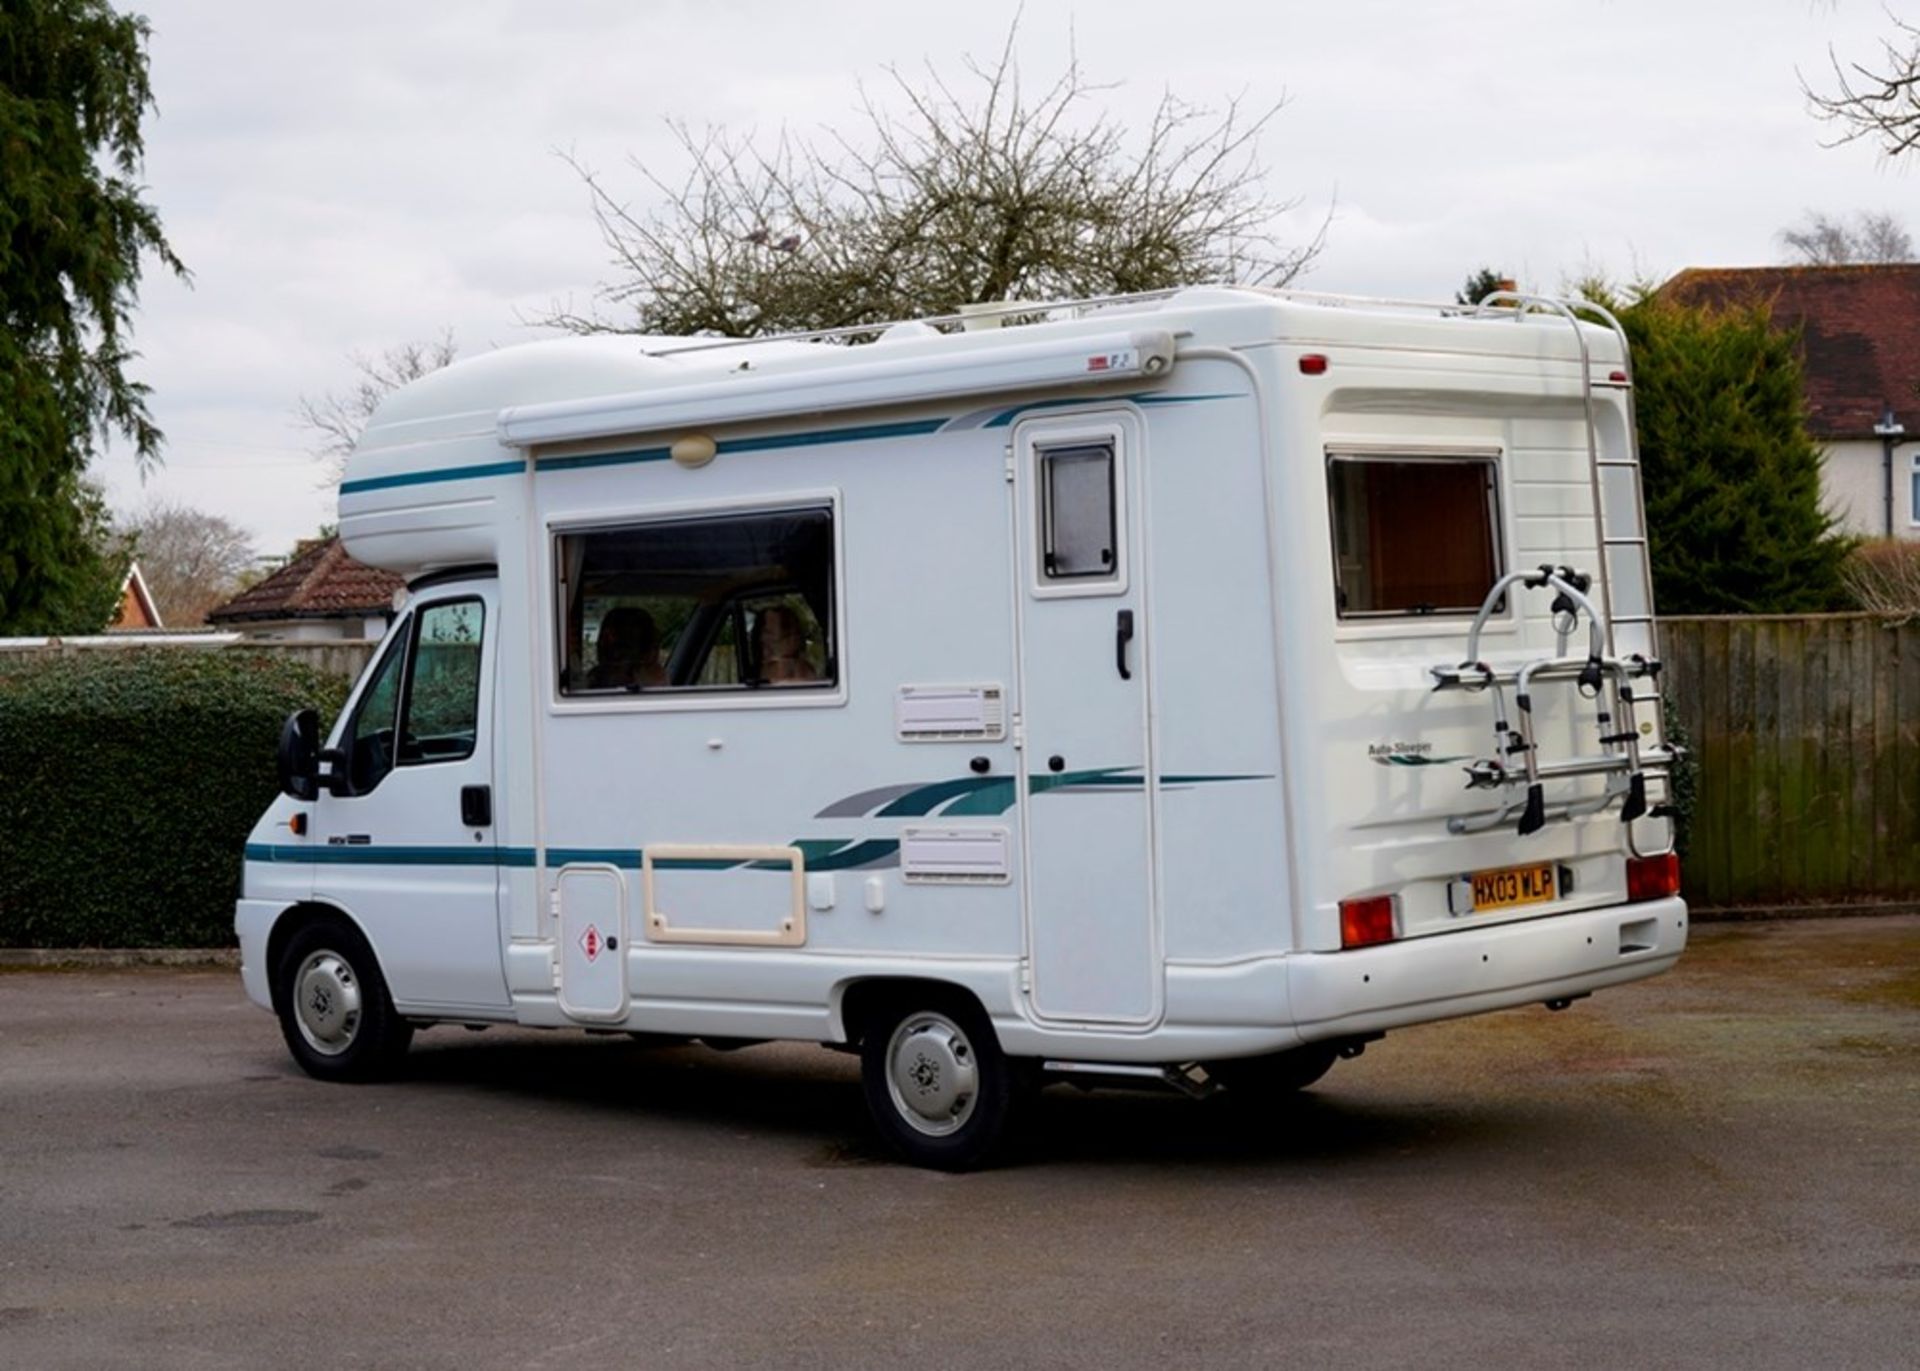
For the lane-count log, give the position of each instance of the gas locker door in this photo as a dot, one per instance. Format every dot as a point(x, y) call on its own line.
point(1087, 802)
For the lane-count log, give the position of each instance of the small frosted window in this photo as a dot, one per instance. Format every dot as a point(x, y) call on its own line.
point(1078, 527)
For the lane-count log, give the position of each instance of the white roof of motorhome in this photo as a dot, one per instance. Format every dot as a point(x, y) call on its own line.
point(470, 395)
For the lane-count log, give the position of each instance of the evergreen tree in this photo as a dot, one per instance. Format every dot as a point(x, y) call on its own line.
point(1735, 520)
point(73, 228)
point(1479, 286)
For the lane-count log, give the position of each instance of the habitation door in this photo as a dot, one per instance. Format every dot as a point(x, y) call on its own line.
point(1087, 793)
point(410, 852)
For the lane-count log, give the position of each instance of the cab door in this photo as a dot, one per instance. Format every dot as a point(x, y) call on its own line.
point(404, 840)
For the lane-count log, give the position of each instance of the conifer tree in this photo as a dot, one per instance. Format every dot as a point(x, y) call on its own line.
point(73, 230)
point(1735, 518)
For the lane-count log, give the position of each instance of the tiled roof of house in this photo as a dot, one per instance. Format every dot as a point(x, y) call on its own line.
point(321, 582)
point(1859, 327)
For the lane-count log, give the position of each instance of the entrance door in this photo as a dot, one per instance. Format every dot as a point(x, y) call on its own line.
point(410, 852)
point(1088, 802)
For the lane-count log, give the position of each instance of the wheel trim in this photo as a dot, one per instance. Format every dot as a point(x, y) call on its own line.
point(326, 1002)
point(933, 1074)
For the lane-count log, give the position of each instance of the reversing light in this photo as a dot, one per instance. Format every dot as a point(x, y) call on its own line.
point(1313, 363)
point(1366, 922)
point(1653, 878)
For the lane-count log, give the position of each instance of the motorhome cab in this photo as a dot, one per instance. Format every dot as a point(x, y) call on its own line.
point(1183, 689)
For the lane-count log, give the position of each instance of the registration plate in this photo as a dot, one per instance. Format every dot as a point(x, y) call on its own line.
point(1512, 886)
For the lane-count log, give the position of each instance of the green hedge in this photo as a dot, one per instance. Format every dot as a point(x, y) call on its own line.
point(129, 780)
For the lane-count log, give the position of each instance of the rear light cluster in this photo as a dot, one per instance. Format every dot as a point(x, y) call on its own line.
point(1653, 878)
point(1366, 922)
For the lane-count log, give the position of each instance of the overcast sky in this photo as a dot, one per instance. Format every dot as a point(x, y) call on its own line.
point(346, 176)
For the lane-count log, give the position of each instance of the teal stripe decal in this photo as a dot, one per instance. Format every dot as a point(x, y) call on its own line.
point(422, 478)
point(774, 442)
point(818, 854)
point(930, 797)
point(860, 854)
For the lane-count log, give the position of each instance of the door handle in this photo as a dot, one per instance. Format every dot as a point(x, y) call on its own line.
point(476, 805)
point(1122, 635)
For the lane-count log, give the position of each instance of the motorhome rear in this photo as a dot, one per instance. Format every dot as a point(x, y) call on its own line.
point(1089, 698)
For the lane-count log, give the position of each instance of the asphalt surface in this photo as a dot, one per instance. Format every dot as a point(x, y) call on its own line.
point(1717, 1167)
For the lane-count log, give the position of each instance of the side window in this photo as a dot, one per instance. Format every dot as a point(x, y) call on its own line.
point(442, 715)
point(1913, 496)
point(1079, 525)
point(717, 603)
point(369, 737)
point(1413, 535)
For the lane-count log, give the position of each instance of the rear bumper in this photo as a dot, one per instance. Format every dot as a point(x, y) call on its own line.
point(1470, 971)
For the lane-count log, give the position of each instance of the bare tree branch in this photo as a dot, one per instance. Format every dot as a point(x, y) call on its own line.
point(191, 559)
point(337, 417)
point(1881, 102)
point(1824, 240)
point(956, 191)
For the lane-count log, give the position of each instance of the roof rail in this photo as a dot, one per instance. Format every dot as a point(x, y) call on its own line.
point(1002, 311)
point(998, 311)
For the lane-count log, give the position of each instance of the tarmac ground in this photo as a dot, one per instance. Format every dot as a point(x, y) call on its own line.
point(1717, 1167)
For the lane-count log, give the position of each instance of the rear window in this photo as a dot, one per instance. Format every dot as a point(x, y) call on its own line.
point(1413, 535)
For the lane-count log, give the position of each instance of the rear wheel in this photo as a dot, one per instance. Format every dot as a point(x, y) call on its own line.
point(937, 1084)
point(1276, 1076)
point(335, 1012)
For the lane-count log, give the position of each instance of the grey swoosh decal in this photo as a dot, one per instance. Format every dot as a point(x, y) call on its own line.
point(853, 806)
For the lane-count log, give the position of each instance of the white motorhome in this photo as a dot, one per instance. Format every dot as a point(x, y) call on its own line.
point(1184, 689)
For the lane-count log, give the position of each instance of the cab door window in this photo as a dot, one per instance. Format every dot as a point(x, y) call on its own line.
point(442, 714)
point(422, 704)
point(368, 741)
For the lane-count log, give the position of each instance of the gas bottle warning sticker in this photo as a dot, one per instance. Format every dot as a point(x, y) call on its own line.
point(591, 943)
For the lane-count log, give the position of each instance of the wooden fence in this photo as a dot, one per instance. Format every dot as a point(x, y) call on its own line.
point(1806, 737)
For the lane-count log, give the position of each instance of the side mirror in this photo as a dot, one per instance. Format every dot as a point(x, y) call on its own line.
point(300, 754)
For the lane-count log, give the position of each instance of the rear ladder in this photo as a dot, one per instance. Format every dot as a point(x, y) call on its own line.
point(1640, 779)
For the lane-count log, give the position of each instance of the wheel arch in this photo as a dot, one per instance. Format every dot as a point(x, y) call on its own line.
point(294, 918)
point(858, 1000)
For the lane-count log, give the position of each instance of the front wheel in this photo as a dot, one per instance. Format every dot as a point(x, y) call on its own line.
point(335, 1013)
point(937, 1084)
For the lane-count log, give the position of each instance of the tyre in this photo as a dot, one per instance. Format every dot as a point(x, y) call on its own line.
point(1276, 1076)
point(941, 1092)
point(335, 1012)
